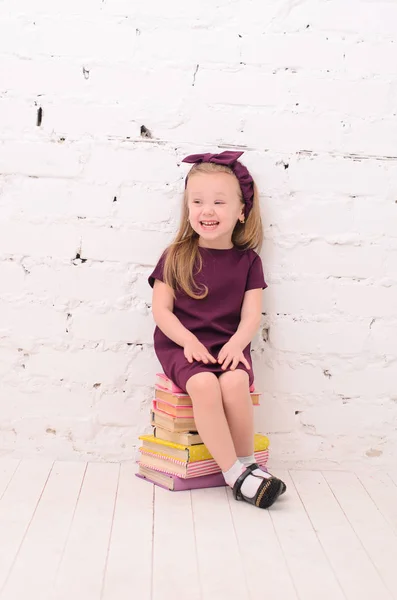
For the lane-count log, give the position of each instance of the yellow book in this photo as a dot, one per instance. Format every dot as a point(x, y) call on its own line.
point(189, 453)
point(255, 398)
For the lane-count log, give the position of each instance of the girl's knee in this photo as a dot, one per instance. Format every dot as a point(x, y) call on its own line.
point(202, 383)
point(233, 381)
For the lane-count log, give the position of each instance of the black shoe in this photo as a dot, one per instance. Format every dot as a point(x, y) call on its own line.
point(268, 491)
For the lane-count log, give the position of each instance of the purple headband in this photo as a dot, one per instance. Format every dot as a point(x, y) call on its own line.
point(229, 159)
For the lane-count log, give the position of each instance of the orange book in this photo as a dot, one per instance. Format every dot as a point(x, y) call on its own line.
point(179, 412)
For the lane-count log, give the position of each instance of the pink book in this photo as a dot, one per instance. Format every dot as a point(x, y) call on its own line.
point(168, 386)
point(161, 388)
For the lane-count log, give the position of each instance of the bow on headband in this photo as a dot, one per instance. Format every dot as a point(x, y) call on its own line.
point(230, 159)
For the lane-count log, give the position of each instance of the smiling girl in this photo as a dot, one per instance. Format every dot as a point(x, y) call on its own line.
point(207, 298)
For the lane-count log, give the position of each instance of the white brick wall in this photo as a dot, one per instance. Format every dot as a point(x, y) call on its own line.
point(87, 204)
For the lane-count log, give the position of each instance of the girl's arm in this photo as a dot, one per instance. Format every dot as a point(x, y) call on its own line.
point(250, 318)
point(170, 325)
point(162, 307)
point(232, 352)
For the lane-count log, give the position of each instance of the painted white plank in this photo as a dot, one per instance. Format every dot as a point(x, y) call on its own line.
point(368, 523)
point(261, 554)
point(129, 566)
point(174, 552)
point(41, 551)
point(353, 568)
point(17, 507)
point(383, 492)
point(393, 475)
point(310, 568)
point(81, 571)
point(8, 466)
point(220, 569)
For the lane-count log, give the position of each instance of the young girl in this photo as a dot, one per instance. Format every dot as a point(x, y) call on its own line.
point(207, 297)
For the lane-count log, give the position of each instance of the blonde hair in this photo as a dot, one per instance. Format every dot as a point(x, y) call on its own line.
point(183, 260)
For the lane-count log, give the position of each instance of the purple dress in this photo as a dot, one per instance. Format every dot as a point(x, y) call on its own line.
point(228, 274)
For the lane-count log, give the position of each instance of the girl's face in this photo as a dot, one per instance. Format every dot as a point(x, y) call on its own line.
point(214, 207)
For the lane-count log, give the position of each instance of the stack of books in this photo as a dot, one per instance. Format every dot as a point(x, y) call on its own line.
point(174, 456)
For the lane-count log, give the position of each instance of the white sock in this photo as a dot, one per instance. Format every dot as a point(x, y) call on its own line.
point(233, 473)
point(247, 460)
point(250, 484)
point(250, 460)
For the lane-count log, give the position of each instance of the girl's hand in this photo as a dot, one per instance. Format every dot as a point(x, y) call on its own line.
point(231, 354)
point(195, 350)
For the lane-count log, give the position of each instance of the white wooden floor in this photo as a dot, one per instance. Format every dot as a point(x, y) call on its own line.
point(89, 532)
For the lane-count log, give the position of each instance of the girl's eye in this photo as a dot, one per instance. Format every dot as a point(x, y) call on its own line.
point(219, 202)
point(196, 201)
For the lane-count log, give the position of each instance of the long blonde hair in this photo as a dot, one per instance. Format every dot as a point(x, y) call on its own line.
point(183, 260)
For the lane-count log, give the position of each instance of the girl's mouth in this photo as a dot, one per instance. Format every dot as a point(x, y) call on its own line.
point(209, 225)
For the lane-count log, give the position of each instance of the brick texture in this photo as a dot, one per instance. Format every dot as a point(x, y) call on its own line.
point(99, 102)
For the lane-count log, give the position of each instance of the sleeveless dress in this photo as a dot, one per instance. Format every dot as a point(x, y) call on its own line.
point(228, 274)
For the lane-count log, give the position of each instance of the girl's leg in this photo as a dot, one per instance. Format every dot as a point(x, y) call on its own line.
point(205, 392)
point(240, 416)
point(238, 409)
point(209, 415)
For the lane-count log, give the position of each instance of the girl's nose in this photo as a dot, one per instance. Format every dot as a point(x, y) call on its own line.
point(208, 211)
